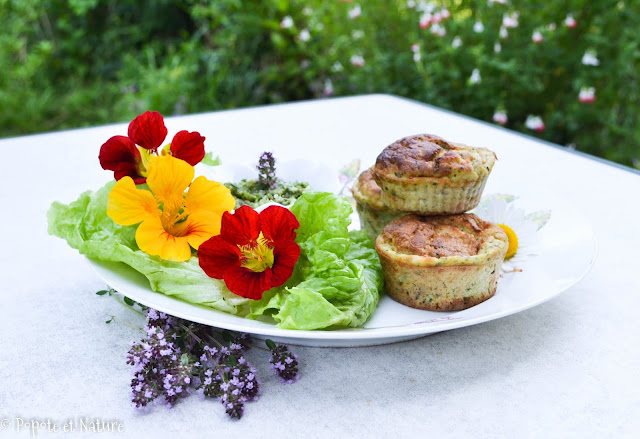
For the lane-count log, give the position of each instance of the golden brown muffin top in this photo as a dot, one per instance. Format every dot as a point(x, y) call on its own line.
point(367, 185)
point(366, 191)
point(427, 155)
point(439, 236)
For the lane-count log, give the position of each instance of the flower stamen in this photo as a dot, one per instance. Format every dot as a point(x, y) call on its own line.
point(257, 256)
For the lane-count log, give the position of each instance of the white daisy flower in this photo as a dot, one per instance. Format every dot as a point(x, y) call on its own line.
point(521, 229)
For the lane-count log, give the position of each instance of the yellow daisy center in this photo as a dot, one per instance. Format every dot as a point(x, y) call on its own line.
point(513, 241)
point(257, 256)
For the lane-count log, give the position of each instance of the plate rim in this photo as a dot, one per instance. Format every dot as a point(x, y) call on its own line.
point(356, 335)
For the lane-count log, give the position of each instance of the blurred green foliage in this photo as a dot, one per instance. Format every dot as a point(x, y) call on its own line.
point(69, 63)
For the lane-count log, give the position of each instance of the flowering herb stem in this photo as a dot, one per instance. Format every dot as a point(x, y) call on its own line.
point(131, 325)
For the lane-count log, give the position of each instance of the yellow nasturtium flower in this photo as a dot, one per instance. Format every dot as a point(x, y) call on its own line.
point(171, 221)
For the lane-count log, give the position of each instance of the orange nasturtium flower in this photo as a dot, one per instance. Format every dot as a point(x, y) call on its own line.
point(171, 221)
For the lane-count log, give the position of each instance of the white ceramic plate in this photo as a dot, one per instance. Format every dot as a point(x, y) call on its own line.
point(567, 251)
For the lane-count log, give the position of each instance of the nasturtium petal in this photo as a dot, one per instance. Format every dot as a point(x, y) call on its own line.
point(148, 130)
point(116, 150)
point(128, 205)
point(120, 155)
point(201, 226)
point(242, 227)
point(168, 178)
point(188, 147)
point(209, 196)
point(287, 254)
point(278, 223)
point(216, 255)
point(247, 283)
point(154, 240)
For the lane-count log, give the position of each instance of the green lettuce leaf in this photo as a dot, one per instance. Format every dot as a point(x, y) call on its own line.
point(338, 279)
point(85, 225)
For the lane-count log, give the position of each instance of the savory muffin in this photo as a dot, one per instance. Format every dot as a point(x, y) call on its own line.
point(374, 215)
point(441, 263)
point(426, 174)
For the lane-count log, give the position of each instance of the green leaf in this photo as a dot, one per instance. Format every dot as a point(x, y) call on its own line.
point(539, 218)
point(210, 161)
point(226, 336)
point(102, 292)
point(128, 301)
point(270, 344)
point(110, 320)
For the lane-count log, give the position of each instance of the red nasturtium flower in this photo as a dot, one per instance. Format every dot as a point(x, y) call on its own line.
point(129, 156)
point(254, 251)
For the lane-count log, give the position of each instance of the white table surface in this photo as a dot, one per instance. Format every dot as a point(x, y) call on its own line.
point(566, 368)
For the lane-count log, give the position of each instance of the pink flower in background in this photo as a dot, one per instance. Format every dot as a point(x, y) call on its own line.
point(500, 117)
point(457, 42)
point(503, 32)
point(417, 57)
point(587, 95)
point(439, 30)
point(415, 47)
point(590, 58)
point(445, 13)
point(286, 22)
point(537, 37)
point(425, 20)
point(497, 48)
point(437, 17)
point(501, 2)
point(357, 61)
point(411, 4)
point(355, 12)
point(510, 20)
point(570, 22)
point(478, 27)
point(534, 123)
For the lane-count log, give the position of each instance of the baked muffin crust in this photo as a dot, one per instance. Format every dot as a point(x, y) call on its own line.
point(373, 213)
point(366, 190)
point(441, 263)
point(428, 175)
point(427, 155)
point(437, 237)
